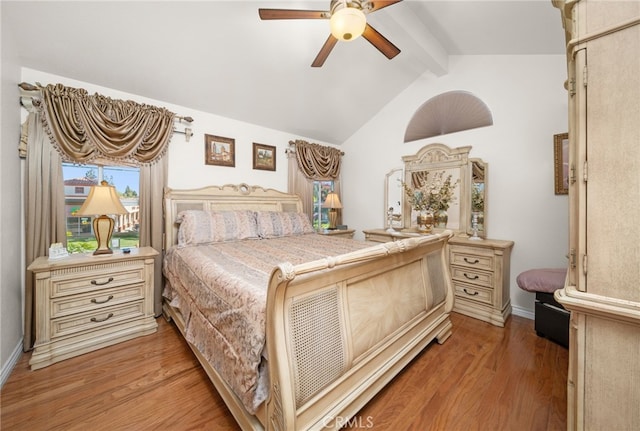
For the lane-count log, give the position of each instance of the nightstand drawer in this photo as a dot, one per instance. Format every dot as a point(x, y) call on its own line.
point(89, 281)
point(98, 299)
point(468, 275)
point(97, 319)
point(471, 259)
point(473, 293)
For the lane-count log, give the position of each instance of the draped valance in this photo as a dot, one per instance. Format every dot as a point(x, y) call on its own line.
point(317, 162)
point(85, 127)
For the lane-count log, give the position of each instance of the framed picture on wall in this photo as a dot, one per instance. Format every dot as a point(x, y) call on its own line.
point(561, 163)
point(219, 151)
point(264, 157)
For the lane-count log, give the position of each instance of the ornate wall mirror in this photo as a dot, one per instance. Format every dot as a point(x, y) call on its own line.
point(393, 199)
point(479, 175)
point(466, 174)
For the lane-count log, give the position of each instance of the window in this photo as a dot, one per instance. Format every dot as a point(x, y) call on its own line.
point(321, 215)
point(78, 180)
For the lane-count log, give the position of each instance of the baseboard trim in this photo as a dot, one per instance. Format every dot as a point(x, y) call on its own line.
point(8, 367)
point(522, 312)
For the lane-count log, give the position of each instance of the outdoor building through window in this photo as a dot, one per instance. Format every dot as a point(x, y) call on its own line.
point(78, 180)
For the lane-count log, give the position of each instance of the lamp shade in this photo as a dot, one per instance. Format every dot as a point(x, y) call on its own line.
point(332, 201)
point(347, 23)
point(102, 199)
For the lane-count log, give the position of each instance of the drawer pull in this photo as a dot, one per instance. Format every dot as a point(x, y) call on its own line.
point(93, 319)
point(472, 263)
point(475, 277)
point(95, 301)
point(95, 283)
point(469, 293)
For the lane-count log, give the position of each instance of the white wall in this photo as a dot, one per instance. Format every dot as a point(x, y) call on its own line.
point(529, 105)
point(10, 214)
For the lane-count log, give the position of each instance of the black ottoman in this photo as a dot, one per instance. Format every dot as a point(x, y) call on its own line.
point(551, 318)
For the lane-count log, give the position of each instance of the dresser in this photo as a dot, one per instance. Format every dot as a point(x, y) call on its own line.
point(480, 272)
point(85, 302)
point(602, 291)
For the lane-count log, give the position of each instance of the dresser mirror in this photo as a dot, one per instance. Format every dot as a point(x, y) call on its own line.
point(479, 175)
point(467, 174)
point(393, 199)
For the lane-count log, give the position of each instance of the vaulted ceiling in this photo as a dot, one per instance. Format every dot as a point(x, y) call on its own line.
point(219, 57)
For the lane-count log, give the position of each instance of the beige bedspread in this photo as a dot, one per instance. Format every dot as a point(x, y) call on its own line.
point(221, 291)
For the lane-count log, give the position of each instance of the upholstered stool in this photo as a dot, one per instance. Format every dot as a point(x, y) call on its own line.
point(551, 318)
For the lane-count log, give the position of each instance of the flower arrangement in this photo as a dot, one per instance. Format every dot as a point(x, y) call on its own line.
point(434, 194)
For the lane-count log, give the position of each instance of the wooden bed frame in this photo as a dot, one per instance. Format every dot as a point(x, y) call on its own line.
point(337, 329)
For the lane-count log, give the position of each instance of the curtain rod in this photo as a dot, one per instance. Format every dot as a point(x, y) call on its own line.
point(25, 86)
point(293, 150)
point(31, 88)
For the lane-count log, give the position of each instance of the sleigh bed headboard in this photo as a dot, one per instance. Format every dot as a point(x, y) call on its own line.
point(223, 198)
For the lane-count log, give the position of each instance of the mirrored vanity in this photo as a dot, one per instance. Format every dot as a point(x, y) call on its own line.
point(479, 266)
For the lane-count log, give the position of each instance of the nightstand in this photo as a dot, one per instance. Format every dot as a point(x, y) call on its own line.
point(347, 233)
point(480, 277)
point(85, 302)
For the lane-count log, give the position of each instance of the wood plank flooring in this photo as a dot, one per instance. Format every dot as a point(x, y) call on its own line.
point(481, 378)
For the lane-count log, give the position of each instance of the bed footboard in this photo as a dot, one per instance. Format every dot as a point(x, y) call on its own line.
point(339, 329)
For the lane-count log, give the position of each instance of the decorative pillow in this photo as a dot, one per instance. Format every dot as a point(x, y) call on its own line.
point(203, 227)
point(273, 224)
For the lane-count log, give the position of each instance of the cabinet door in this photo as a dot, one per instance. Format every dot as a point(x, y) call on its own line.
point(611, 232)
point(577, 159)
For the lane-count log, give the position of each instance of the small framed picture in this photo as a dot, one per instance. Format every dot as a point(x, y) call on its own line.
point(219, 151)
point(264, 157)
point(561, 163)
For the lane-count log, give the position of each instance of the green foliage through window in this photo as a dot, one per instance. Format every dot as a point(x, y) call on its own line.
point(321, 215)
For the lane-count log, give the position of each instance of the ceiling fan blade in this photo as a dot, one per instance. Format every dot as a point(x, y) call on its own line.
point(292, 14)
point(324, 51)
point(379, 4)
point(380, 42)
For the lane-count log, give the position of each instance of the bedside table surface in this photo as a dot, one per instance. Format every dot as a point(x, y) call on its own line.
point(44, 263)
point(337, 232)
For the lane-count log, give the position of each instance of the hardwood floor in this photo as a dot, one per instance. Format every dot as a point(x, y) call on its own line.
point(481, 378)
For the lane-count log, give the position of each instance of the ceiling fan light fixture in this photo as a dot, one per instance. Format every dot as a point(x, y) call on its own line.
point(348, 23)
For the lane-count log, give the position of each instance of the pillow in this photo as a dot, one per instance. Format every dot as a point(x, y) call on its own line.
point(273, 224)
point(204, 227)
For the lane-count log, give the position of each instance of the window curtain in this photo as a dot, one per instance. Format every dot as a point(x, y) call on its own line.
point(83, 128)
point(153, 180)
point(44, 207)
point(312, 162)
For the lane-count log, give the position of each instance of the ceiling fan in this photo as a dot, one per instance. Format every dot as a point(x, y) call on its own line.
point(348, 21)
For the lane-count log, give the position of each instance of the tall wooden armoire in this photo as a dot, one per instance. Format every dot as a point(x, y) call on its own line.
point(602, 290)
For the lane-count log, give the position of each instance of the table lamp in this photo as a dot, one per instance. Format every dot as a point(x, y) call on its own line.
point(102, 200)
point(333, 203)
